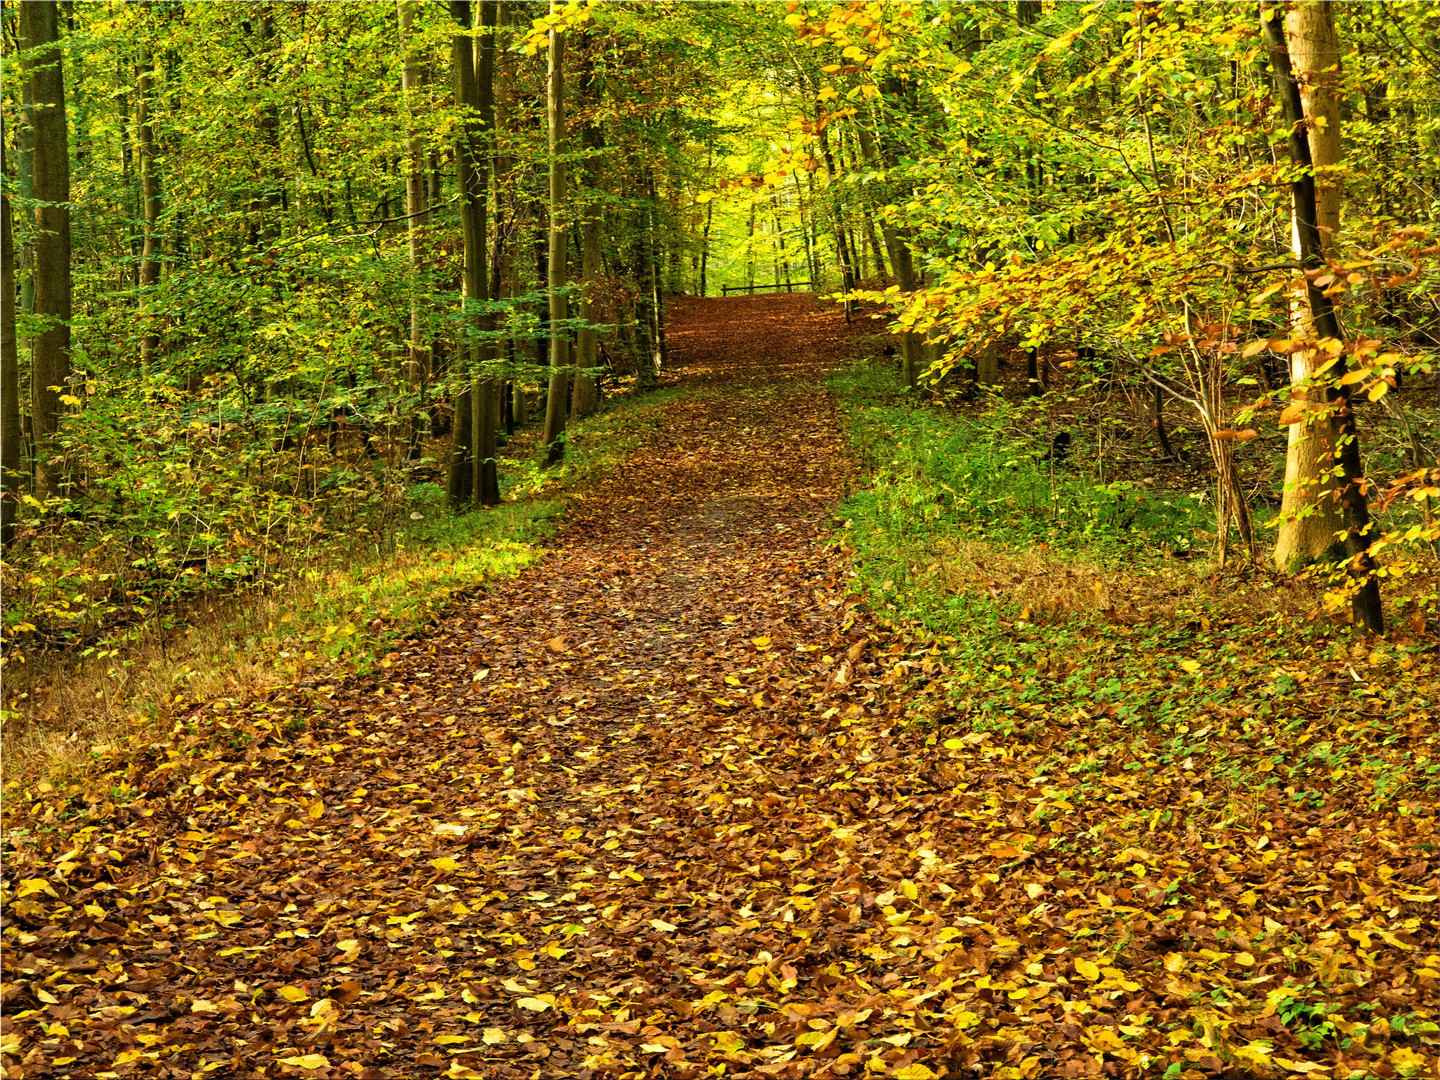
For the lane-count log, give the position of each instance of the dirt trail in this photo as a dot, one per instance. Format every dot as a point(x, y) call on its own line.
point(579, 793)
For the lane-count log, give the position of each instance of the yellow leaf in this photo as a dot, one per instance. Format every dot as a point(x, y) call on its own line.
point(761, 642)
point(317, 810)
point(1379, 390)
point(954, 744)
point(910, 890)
point(445, 865)
point(451, 1040)
point(1087, 969)
point(458, 1071)
point(916, 1071)
point(307, 1061)
point(31, 886)
point(534, 1004)
point(295, 994)
point(1192, 666)
point(663, 926)
point(1034, 891)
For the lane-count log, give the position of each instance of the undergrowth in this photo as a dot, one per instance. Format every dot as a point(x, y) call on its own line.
point(63, 709)
point(1091, 620)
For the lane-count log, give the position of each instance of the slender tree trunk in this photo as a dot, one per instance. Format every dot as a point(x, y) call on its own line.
point(50, 357)
point(657, 298)
point(1365, 604)
point(417, 364)
point(487, 387)
point(10, 435)
point(1311, 518)
point(847, 269)
point(705, 245)
point(750, 252)
point(559, 358)
point(150, 196)
point(587, 351)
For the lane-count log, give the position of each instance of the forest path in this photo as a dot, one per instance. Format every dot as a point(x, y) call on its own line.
point(592, 796)
point(648, 810)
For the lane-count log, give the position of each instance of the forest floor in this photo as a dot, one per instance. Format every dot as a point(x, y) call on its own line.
point(657, 807)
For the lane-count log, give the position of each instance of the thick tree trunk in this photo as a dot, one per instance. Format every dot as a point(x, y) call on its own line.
point(10, 437)
point(50, 356)
point(1311, 517)
point(1366, 608)
point(150, 197)
point(472, 463)
point(559, 355)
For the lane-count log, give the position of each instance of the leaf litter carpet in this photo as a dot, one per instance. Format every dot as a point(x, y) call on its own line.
point(651, 810)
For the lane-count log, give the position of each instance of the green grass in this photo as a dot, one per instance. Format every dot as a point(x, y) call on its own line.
point(1048, 607)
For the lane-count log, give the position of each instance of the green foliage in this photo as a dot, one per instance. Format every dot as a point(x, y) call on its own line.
point(985, 476)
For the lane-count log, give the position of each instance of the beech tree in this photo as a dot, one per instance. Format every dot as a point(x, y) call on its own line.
point(50, 171)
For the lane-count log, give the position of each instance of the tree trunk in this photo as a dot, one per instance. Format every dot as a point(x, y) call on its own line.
point(587, 349)
point(150, 196)
point(10, 437)
point(559, 359)
point(1366, 608)
point(657, 298)
point(750, 252)
point(50, 356)
point(847, 269)
point(472, 463)
point(705, 245)
point(417, 366)
point(1311, 517)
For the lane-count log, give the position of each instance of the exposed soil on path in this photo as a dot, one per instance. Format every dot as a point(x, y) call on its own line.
point(644, 811)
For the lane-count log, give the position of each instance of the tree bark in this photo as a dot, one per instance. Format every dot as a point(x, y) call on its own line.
point(10, 437)
point(150, 198)
point(1311, 517)
point(50, 356)
point(587, 349)
point(1366, 608)
point(417, 367)
point(559, 358)
point(847, 269)
point(705, 246)
point(472, 459)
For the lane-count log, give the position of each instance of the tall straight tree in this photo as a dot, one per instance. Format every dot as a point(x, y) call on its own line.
point(559, 353)
point(587, 340)
point(485, 391)
point(50, 351)
point(1366, 608)
point(417, 361)
point(150, 200)
point(472, 465)
point(10, 437)
point(1311, 518)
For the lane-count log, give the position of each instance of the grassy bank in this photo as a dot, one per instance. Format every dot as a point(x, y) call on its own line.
point(65, 711)
point(1088, 621)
